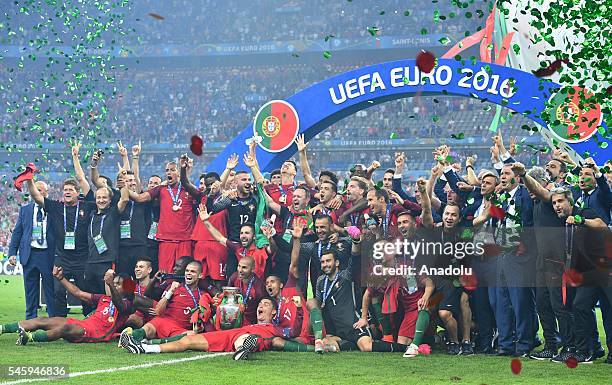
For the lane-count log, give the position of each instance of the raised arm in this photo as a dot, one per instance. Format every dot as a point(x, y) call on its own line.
point(124, 155)
point(298, 230)
point(163, 302)
point(472, 178)
point(231, 164)
point(136, 151)
point(125, 192)
point(532, 185)
point(186, 183)
point(78, 170)
point(93, 168)
point(426, 215)
point(58, 273)
point(204, 217)
point(116, 297)
point(35, 194)
point(433, 179)
point(484, 214)
point(370, 171)
point(142, 197)
point(302, 146)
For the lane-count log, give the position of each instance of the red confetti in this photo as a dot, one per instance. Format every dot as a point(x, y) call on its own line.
point(571, 362)
point(572, 277)
point(497, 212)
point(516, 366)
point(128, 285)
point(156, 16)
point(196, 145)
point(426, 61)
point(551, 69)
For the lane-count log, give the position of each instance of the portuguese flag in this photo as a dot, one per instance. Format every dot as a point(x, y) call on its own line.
point(277, 124)
point(575, 116)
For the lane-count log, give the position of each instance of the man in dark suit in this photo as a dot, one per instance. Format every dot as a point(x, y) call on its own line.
point(33, 238)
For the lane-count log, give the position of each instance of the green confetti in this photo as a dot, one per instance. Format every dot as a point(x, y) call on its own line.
point(603, 144)
point(393, 136)
point(423, 31)
point(444, 40)
point(326, 54)
point(459, 136)
point(406, 13)
point(373, 30)
point(435, 118)
point(328, 37)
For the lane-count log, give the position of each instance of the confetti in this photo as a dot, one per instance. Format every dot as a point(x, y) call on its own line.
point(373, 30)
point(196, 145)
point(459, 136)
point(571, 362)
point(326, 54)
point(426, 61)
point(393, 136)
point(516, 366)
point(328, 37)
point(551, 69)
point(156, 16)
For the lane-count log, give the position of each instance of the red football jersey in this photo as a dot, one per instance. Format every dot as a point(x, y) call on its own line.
point(258, 291)
point(259, 255)
point(292, 316)
point(223, 340)
point(180, 305)
point(105, 309)
point(174, 225)
point(276, 192)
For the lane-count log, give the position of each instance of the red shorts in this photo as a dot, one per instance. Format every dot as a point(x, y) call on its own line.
point(411, 313)
point(223, 341)
point(213, 255)
point(95, 331)
point(169, 252)
point(167, 327)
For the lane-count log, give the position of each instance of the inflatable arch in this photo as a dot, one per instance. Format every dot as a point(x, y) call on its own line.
point(315, 108)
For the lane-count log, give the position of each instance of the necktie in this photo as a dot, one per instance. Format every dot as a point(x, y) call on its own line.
point(39, 220)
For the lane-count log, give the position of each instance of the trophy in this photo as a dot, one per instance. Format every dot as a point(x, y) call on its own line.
point(230, 310)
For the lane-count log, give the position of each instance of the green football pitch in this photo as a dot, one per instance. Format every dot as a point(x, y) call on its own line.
point(106, 363)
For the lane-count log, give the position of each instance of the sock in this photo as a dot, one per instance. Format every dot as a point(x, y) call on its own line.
point(9, 328)
point(381, 346)
point(383, 319)
point(39, 336)
point(151, 348)
point(292, 346)
point(347, 346)
point(316, 323)
point(421, 326)
point(139, 334)
point(159, 341)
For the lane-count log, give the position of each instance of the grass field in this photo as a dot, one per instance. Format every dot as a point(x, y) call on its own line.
point(271, 367)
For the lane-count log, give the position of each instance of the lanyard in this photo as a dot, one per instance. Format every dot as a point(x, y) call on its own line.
point(175, 198)
point(386, 221)
point(76, 217)
point(138, 289)
point(132, 211)
point(569, 244)
point(111, 308)
point(355, 219)
point(248, 292)
point(321, 248)
point(195, 303)
point(326, 291)
point(101, 225)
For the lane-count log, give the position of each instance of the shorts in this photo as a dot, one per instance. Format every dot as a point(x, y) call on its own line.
point(451, 296)
point(213, 256)
point(169, 252)
point(166, 327)
point(353, 335)
point(223, 340)
point(411, 313)
point(94, 330)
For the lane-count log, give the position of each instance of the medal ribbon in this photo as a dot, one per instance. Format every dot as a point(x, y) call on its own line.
point(175, 198)
point(326, 291)
point(321, 249)
point(247, 295)
point(386, 221)
point(101, 225)
point(195, 303)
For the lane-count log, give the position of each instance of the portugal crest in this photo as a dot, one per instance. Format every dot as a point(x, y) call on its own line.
point(277, 123)
point(575, 116)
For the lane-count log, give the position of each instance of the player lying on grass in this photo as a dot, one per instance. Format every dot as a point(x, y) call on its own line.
point(243, 340)
point(174, 309)
point(101, 326)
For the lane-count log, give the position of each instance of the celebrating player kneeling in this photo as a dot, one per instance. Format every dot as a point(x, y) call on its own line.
point(111, 313)
point(243, 340)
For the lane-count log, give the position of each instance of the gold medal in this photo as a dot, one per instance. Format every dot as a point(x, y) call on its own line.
point(111, 319)
point(176, 208)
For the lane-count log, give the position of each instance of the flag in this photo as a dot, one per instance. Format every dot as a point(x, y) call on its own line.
point(277, 123)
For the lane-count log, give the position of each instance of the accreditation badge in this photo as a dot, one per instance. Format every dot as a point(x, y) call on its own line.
point(126, 230)
point(69, 241)
point(100, 244)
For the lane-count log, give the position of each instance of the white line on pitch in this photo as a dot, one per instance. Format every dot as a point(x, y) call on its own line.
point(120, 369)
